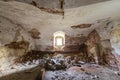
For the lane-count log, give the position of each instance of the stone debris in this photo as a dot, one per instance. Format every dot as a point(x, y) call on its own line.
point(74, 73)
point(56, 68)
point(32, 56)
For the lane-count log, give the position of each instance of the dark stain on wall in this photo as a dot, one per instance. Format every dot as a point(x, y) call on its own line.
point(34, 3)
point(81, 26)
point(70, 40)
point(35, 34)
point(53, 11)
point(18, 45)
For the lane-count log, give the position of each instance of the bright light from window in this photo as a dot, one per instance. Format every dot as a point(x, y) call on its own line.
point(59, 42)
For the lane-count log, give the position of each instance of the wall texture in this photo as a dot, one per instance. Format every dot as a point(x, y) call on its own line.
point(56, 3)
point(14, 15)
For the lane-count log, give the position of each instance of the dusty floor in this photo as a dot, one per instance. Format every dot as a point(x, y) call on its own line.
point(86, 72)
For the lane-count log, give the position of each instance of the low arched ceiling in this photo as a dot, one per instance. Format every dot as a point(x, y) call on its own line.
point(56, 3)
point(32, 16)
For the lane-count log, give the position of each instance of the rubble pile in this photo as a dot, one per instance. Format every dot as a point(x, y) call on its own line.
point(33, 55)
point(50, 61)
point(57, 61)
point(85, 72)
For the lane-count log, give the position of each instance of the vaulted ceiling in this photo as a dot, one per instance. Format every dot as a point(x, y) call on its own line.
point(56, 3)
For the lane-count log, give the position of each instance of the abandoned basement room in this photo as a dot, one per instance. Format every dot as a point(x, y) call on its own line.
point(59, 39)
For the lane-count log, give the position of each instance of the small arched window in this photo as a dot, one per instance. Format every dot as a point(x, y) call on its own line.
point(59, 40)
